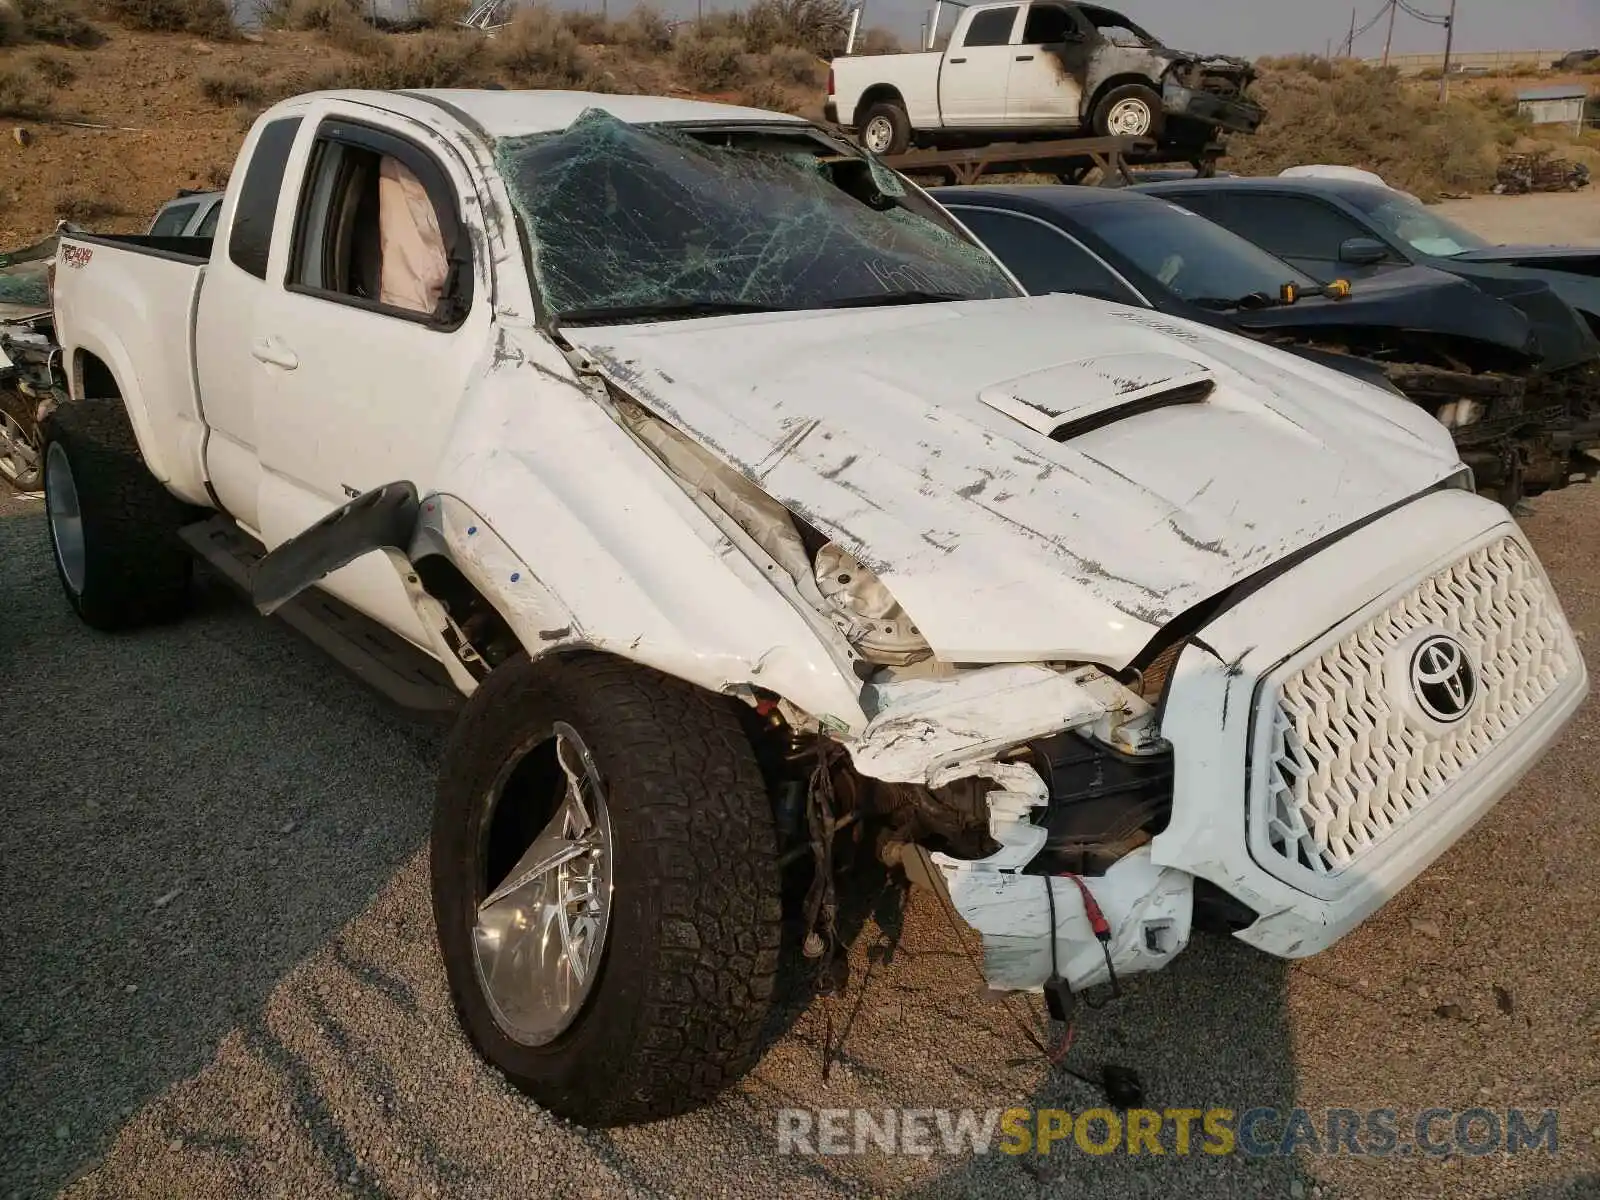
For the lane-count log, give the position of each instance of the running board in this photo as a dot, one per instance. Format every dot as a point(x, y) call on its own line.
point(382, 660)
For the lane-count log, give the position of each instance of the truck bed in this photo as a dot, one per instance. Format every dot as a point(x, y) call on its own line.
point(193, 250)
point(128, 302)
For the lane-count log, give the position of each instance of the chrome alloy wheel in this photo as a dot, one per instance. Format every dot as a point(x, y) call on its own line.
point(540, 935)
point(66, 517)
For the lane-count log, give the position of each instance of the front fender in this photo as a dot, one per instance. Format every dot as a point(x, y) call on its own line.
point(579, 536)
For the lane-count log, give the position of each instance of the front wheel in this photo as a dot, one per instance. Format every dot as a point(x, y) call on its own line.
point(1132, 110)
point(605, 887)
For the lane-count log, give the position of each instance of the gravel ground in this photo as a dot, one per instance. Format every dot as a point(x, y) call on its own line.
point(217, 972)
point(1566, 218)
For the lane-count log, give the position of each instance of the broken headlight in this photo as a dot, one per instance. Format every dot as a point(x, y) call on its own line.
point(869, 616)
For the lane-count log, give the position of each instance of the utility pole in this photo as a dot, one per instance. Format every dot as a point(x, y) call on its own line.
point(1350, 42)
point(1394, 7)
point(1449, 41)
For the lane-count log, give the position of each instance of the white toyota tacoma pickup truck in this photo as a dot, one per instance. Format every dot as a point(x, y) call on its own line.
point(743, 504)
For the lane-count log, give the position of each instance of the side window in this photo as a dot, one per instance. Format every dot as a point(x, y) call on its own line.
point(1288, 226)
point(208, 224)
point(1043, 257)
point(377, 227)
point(992, 27)
point(250, 237)
point(170, 221)
point(1047, 25)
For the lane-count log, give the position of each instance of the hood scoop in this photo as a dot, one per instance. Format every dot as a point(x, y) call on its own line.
point(1070, 399)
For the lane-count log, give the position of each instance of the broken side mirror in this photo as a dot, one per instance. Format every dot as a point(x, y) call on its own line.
point(1362, 251)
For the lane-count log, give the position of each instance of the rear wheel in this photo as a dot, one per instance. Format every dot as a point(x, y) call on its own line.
point(885, 128)
point(605, 886)
point(113, 527)
point(1132, 110)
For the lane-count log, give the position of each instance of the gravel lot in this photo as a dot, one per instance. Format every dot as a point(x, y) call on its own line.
point(217, 973)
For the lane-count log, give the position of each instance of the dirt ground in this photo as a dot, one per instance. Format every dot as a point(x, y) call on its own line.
point(1571, 218)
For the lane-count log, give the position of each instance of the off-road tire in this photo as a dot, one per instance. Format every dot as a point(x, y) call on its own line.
point(1130, 92)
point(691, 953)
point(136, 570)
point(894, 113)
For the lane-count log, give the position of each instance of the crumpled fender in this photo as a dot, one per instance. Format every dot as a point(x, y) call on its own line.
point(578, 537)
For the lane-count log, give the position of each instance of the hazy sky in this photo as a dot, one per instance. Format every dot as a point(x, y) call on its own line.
point(1255, 27)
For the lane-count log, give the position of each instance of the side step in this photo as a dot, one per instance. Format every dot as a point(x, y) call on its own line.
point(383, 660)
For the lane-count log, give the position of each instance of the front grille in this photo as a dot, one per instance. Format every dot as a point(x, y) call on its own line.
point(1346, 765)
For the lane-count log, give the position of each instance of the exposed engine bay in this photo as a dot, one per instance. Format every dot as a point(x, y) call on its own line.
point(1523, 431)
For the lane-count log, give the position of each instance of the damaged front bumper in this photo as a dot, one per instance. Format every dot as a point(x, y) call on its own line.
point(1306, 781)
point(1234, 114)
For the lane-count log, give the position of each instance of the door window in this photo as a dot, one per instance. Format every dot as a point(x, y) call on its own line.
point(377, 228)
point(208, 225)
point(1288, 226)
point(992, 27)
point(250, 236)
point(1044, 258)
point(1047, 25)
point(172, 219)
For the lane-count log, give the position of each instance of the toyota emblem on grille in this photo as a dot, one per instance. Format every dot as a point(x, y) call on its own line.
point(1442, 678)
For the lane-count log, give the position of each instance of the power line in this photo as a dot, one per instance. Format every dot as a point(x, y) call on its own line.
point(1427, 18)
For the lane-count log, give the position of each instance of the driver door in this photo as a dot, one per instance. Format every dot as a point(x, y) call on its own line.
point(974, 75)
point(368, 343)
point(1045, 83)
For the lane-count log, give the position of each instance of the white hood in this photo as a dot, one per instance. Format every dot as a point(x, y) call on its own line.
point(919, 438)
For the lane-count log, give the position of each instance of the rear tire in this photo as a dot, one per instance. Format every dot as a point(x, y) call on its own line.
point(1131, 110)
point(113, 528)
point(885, 128)
point(682, 977)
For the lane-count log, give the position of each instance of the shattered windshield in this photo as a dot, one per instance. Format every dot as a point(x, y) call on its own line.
point(1425, 232)
point(629, 221)
point(1194, 259)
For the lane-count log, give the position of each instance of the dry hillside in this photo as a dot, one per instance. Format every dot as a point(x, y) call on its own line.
point(107, 110)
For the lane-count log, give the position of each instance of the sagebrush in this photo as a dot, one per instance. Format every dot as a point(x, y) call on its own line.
point(1349, 114)
point(60, 22)
point(23, 91)
point(202, 18)
point(711, 64)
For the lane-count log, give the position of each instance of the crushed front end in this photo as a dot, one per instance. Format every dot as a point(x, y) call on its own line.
point(1212, 92)
point(1284, 765)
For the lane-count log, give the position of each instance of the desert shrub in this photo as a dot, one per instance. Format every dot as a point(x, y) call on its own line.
point(315, 14)
point(1352, 115)
point(230, 87)
point(23, 92)
point(645, 30)
point(61, 22)
point(81, 207)
point(56, 71)
point(790, 64)
point(815, 25)
point(768, 94)
point(711, 64)
point(591, 29)
point(877, 41)
point(539, 49)
point(432, 59)
point(441, 14)
point(202, 18)
point(350, 33)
